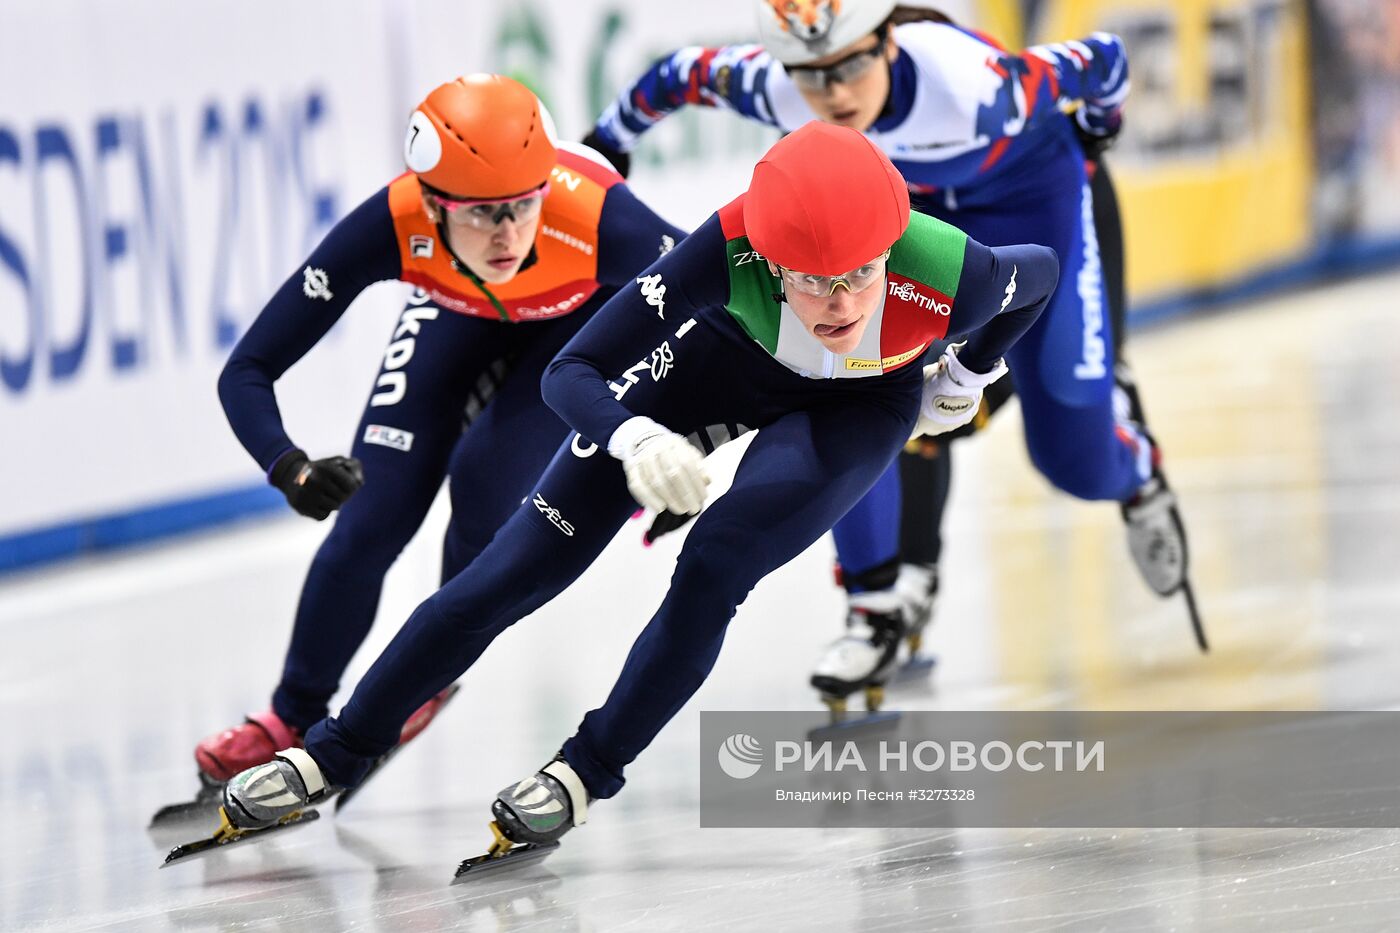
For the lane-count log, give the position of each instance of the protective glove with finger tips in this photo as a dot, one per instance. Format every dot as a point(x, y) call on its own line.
point(952, 393)
point(664, 471)
point(316, 488)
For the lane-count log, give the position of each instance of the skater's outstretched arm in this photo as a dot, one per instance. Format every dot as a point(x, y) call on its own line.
point(1004, 289)
point(586, 382)
point(630, 237)
point(358, 252)
point(733, 77)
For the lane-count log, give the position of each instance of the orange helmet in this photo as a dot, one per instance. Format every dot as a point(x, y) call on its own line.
point(479, 137)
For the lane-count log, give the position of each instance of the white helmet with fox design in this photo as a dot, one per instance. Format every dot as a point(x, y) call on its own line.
point(799, 31)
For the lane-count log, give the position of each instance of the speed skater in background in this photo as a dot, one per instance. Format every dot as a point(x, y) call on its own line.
point(994, 143)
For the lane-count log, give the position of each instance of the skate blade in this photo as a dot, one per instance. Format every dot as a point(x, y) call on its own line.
point(350, 793)
point(916, 668)
point(1197, 626)
point(515, 857)
point(855, 723)
point(226, 836)
point(205, 804)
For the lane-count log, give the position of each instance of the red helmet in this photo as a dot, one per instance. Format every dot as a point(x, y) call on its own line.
point(824, 200)
point(481, 136)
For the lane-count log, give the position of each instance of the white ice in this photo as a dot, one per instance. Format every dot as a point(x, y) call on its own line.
point(1279, 422)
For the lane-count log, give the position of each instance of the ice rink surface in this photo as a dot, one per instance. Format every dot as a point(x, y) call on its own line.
point(1280, 426)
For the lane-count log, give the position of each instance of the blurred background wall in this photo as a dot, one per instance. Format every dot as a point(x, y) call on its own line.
point(163, 167)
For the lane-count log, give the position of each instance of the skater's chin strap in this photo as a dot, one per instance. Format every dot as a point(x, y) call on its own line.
point(307, 768)
point(578, 794)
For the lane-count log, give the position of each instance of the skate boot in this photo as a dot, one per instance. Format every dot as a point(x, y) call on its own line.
point(530, 818)
point(224, 754)
point(917, 588)
point(252, 742)
point(269, 797)
point(1156, 534)
point(863, 658)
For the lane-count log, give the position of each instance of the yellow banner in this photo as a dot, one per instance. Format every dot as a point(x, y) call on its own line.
point(1214, 167)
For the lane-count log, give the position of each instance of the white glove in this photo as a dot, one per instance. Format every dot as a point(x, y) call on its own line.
point(664, 472)
point(952, 393)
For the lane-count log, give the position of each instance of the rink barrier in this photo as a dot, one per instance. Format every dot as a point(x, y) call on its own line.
point(1340, 260)
point(41, 546)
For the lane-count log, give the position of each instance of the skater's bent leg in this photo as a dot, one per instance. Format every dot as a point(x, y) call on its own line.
point(924, 481)
point(1064, 377)
point(341, 593)
point(573, 513)
point(867, 537)
point(502, 455)
point(799, 476)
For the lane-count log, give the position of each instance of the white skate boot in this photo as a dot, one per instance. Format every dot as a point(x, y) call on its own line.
point(1156, 535)
point(917, 587)
point(864, 657)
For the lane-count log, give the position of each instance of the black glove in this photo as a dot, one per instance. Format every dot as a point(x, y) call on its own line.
point(665, 523)
point(1098, 141)
point(620, 160)
point(316, 488)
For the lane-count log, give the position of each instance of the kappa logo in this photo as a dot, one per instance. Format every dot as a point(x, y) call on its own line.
point(316, 284)
point(385, 436)
point(905, 290)
point(420, 246)
point(1010, 291)
point(555, 517)
point(654, 292)
point(668, 243)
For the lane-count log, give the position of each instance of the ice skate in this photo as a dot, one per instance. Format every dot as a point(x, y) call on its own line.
point(1156, 534)
point(264, 799)
point(255, 741)
point(862, 660)
point(222, 755)
point(917, 586)
point(530, 818)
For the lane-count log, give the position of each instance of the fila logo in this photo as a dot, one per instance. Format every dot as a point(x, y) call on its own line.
point(316, 284)
point(554, 516)
point(654, 292)
point(1010, 291)
point(420, 246)
point(385, 436)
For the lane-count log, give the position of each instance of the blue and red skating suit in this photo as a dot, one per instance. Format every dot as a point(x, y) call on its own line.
point(983, 140)
point(963, 112)
point(593, 233)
